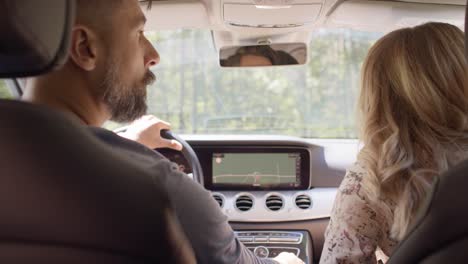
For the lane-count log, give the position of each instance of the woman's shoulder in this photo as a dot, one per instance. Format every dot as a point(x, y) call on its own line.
point(356, 189)
point(357, 225)
point(356, 193)
point(353, 181)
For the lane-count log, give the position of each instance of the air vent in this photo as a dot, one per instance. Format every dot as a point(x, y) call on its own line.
point(303, 201)
point(274, 202)
point(244, 203)
point(219, 198)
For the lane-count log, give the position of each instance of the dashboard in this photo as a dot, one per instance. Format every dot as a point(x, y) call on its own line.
point(273, 188)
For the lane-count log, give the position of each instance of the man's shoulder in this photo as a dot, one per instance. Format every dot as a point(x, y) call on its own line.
point(161, 168)
point(129, 148)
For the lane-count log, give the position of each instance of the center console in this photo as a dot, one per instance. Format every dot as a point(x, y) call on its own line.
point(265, 190)
point(269, 244)
point(272, 176)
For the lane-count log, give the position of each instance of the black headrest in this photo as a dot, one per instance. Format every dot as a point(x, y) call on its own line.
point(34, 36)
point(466, 28)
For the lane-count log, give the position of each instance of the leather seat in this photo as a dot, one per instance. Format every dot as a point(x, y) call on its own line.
point(65, 197)
point(440, 235)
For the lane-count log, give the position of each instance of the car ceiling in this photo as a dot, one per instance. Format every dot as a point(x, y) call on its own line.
point(247, 22)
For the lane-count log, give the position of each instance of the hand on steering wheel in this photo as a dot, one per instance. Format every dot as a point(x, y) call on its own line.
point(147, 131)
point(154, 133)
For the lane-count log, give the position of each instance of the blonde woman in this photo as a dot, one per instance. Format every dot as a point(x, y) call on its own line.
point(414, 118)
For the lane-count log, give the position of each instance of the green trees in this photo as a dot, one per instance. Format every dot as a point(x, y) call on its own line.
point(4, 91)
point(196, 95)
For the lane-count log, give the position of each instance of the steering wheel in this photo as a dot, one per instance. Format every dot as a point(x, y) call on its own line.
point(188, 153)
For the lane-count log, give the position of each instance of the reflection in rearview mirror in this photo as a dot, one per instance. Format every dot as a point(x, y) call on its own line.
point(263, 55)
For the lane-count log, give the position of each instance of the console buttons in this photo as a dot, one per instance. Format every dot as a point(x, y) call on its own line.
point(284, 239)
point(261, 239)
point(245, 239)
point(274, 252)
point(261, 252)
point(270, 237)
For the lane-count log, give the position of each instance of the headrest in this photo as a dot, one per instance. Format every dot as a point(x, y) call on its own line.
point(466, 32)
point(34, 36)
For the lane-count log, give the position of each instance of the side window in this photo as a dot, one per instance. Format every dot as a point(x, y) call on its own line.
point(5, 93)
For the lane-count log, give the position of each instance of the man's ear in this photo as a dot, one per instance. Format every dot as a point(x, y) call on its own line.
point(83, 50)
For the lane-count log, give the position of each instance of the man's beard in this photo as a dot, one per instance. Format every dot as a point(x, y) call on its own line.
point(125, 103)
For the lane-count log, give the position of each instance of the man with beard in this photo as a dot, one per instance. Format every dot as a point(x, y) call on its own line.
point(105, 78)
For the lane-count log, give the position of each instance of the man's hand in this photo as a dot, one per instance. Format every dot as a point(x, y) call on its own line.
point(288, 258)
point(147, 131)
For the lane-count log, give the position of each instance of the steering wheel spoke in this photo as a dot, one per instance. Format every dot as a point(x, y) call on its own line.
point(189, 155)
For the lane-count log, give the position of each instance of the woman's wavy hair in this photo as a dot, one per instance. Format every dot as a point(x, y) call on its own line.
point(413, 111)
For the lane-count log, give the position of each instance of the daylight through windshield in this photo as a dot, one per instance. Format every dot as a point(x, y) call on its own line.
point(316, 100)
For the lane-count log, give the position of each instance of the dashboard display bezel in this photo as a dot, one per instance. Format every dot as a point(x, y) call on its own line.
point(205, 155)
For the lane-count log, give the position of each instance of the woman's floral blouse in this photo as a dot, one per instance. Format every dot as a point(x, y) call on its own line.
point(358, 232)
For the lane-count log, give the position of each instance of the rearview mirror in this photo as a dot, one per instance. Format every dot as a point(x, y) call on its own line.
point(263, 55)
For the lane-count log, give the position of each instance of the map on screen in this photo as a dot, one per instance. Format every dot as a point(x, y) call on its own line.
point(257, 169)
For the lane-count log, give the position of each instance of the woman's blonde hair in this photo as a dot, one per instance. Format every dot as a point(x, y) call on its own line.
point(414, 115)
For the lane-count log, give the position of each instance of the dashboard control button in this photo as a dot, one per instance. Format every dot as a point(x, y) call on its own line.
point(245, 239)
point(284, 239)
point(261, 239)
point(261, 252)
point(276, 251)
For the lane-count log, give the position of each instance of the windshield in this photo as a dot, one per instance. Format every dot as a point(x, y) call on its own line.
point(5, 93)
point(316, 100)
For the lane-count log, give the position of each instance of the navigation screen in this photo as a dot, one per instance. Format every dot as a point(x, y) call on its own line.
point(257, 169)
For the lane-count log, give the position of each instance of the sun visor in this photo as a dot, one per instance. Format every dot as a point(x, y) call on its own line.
point(384, 16)
point(271, 13)
point(170, 15)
